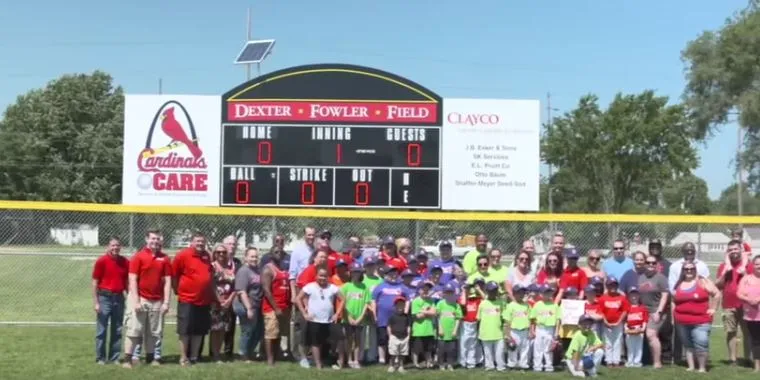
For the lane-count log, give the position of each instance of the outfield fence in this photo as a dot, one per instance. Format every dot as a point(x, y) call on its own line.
point(47, 249)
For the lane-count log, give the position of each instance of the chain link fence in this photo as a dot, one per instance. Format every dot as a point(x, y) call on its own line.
point(46, 257)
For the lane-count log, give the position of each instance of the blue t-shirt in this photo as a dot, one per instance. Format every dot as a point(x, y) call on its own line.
point(410, 291)
point(416, 281)
point(384, 295)
point(447, 267)
point(615, 268)
point(437, 292)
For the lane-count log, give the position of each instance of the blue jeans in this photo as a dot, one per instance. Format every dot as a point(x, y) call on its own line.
point(111, 313)
point(695, 338)
point(251, 330)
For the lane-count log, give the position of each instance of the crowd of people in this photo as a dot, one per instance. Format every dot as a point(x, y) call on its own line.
point(400, 308)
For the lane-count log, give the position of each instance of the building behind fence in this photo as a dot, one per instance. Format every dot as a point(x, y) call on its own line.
point(47, 249)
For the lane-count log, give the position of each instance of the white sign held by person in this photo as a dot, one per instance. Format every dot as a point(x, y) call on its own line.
point(572, 310)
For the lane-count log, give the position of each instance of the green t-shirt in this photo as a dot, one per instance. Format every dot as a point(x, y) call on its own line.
point(489, 316)
point(356, 297)
point(498, 275)
point(448, 315)
point(470, 262)
point(518, 315)
point(372, 283)
point(546, 314)
point(581, 342)
point(422, 326)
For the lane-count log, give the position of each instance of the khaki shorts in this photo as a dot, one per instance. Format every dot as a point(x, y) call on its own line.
point(274, 326)
point(148, 321)
point(732, 319)
point(398, 347)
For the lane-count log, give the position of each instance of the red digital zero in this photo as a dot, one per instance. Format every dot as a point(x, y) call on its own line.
point(361, 194)
point(308, 193)
point(264, 155)
point(242, 192)
point(413, 154)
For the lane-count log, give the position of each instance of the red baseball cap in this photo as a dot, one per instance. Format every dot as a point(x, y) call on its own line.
point(399, 299)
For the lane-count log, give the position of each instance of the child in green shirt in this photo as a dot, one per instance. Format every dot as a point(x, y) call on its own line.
point(545, 316)
point(490, 331)
point(517, 329)
point(423, 328)
point(586, 350)
point(449, 315)
point(355, 309)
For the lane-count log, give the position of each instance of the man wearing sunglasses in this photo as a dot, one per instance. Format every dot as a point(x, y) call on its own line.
point(617, 265)
point(663, 264)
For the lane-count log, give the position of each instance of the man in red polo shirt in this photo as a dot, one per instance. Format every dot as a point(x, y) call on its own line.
point(109, 282)
point(389, 254)
point(149, 290)
point(193, 282)
point(730, 273)
point(572, 276)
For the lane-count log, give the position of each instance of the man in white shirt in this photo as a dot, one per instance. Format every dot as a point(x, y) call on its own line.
point(689, 253)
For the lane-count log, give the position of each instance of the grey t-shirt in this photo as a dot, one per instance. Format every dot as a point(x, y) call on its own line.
point(651, 289)
point(248, 279)
point(321, 301)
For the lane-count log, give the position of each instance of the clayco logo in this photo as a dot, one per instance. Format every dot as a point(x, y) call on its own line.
point(172, 160)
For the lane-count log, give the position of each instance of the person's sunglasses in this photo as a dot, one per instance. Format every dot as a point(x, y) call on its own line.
point(692, 269)
point(593, 259)
point(222, 251)
point(554, 261)
point(651, 263)
point(618, 248)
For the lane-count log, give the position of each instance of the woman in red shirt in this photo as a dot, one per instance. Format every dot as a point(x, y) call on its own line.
point(552, 271)
point(695, 300)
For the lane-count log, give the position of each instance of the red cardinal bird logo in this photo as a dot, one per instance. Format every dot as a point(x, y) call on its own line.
point(173, 129)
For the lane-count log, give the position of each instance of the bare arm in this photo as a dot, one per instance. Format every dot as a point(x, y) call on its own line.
point(167, 290)
point(133, 287)
point(95, 301)
point(266, 286)
point(715, 295)
point(301, 304)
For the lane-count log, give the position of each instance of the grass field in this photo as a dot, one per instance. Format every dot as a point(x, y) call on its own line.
point(67, 353)
point(55, 288)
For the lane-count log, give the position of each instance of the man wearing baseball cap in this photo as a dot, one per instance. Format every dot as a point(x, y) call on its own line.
point(689, 252)
point(446, 261)
point(655, 250)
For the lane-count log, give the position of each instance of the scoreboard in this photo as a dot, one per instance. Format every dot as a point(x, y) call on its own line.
point(331, 136)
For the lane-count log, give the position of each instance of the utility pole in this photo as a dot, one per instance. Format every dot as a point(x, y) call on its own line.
point(248, 37)
point(739, 174)
point(160, 86)
point(551, 169)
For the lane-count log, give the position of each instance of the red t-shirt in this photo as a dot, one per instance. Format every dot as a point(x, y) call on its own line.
point(731, 286)
point(746, 247)
point(397, 262)
point(593, 308)
point(194, 275)
point(691, 306)
point(471, 309)
point(613, 306)
point(637, 316)
point(150, 270)
point(545, 279)
point(280, 290)
point(573, 278)
point(422, 269)
point(111, 273)
point(306, 277)
point(332, 260)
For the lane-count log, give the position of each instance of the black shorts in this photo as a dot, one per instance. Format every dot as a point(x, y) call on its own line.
point(337, 332)
point(422, 344)
point(193, 319)
point(382, 336)
point(353, 332)
point(316, 334)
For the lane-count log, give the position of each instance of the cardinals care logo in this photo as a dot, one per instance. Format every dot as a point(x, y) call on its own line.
point(172, 159)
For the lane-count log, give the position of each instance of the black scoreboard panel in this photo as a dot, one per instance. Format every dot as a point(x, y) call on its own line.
point(296, 145)
point(330, 166)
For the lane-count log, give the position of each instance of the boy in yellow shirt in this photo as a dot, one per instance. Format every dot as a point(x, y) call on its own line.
point(586, 350)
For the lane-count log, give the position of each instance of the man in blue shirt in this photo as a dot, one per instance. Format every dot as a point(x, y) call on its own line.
point(446, 262)
point(619, 263)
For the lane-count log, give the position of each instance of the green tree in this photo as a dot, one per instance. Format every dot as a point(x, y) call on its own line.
point(728, 202)
point(64, 142)
point(617, 160)
point(723, 82)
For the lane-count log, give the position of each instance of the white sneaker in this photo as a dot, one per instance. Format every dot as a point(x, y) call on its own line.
point(391, 369)
point(401, 369)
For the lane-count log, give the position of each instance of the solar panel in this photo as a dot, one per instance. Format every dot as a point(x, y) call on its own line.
point(255, 51)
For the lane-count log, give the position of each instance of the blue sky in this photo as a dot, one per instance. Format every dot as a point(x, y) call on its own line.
point(488, 49)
